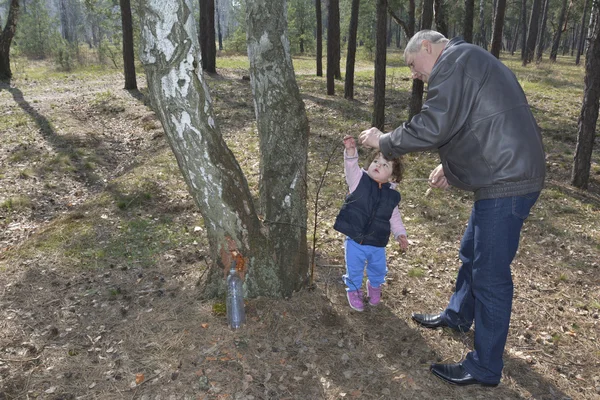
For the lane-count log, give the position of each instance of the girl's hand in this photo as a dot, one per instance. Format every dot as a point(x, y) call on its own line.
point(403, 242)
point(350, 145)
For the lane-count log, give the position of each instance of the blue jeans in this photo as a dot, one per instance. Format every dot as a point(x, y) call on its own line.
point(484, 286)
point(356, 257)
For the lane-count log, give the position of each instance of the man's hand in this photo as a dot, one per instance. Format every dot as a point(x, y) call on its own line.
point(349, 145)
point(437, 178)
point(370, 137)
point(403, 242)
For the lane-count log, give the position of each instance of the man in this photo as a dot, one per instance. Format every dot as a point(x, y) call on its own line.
point(477, 116)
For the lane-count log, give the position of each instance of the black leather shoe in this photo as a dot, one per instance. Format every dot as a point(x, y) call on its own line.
point(431, 321)
point(456, 375)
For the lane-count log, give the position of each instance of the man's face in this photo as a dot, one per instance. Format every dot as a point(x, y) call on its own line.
point(421, 63)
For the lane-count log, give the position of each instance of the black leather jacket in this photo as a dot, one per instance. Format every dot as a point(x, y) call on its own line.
point(478, 118)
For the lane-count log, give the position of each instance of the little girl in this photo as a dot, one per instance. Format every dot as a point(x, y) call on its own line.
point(369, 213)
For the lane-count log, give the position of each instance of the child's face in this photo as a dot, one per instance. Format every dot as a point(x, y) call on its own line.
point(380, 169)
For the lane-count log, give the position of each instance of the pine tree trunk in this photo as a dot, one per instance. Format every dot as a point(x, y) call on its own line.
point(351, 56)
point(559, 30)
point(468, 22)
point(275, 252)
point(219, 32)
point(208, 44)
point(319, 38)
point(378, 119)
point(589, 109)
point(333, 46)
point(481, 36)
point(523, 29)
point(582, 33)
point(542, 33)
point(498, 26)
point(128, 54)
point(416, 99)
point(440, 16)
point(532, 35)
point(6, 38)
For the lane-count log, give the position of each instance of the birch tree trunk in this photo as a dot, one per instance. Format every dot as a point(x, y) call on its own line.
point(283, 130)
point(274, 253)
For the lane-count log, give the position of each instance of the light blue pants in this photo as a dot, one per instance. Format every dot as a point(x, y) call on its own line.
point(356, 257)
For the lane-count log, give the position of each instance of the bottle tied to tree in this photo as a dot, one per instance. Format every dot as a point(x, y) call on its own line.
point(236, 316)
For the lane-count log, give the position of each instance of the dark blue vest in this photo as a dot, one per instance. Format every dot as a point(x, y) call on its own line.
point(365, 215)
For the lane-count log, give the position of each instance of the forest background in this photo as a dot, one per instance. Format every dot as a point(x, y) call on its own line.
point(104, 251)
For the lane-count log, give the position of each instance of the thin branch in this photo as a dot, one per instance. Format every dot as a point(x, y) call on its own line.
point(316, 215)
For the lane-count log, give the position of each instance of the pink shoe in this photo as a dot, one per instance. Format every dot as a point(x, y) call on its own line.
point(355, 299)
point(374, 294)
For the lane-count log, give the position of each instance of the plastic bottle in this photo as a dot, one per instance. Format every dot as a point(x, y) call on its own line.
point(236, 315)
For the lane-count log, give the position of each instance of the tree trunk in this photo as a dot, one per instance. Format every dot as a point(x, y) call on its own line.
point(533, 31)
point(416, 99)
point(128, 54)
point(440, 16)
point(513, 47)
point(523, 29)
point(468, 23)
point(481, 40)
point(319, 38)
point(542, 34)
point(6, 39)
point(498, 26)
point(208, 46)
point(559, 30)
point(219, 32)
point(351, 56)
point(65, 23)
point(582, 38)
point(275, 252)
point(378, 119)
point(333, 46)
point(589, 109)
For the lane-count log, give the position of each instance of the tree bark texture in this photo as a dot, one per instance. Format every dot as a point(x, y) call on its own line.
point(591, 101)
point(441, 23)
point(468, 23)
point(128, 54)
point(333, 46)
point(208, 44)
point(498, 27)
point(582, 38)
point(283, 130)
point(416, 99)
point(219, 31)
point(378, 119)
point(481, 40)
point(523, 29)
point(319, 38)
point(533, 31)
point(8, 33)
point(542, 33)
point(171, 58)
point(559, 30)
point(351, 55)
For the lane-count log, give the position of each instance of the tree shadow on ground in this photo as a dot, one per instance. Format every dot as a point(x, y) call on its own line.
point(65, 146)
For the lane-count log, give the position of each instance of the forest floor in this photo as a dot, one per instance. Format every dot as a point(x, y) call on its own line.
point(102, 251)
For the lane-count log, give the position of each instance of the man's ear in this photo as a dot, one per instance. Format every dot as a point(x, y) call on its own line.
point(427, 45)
